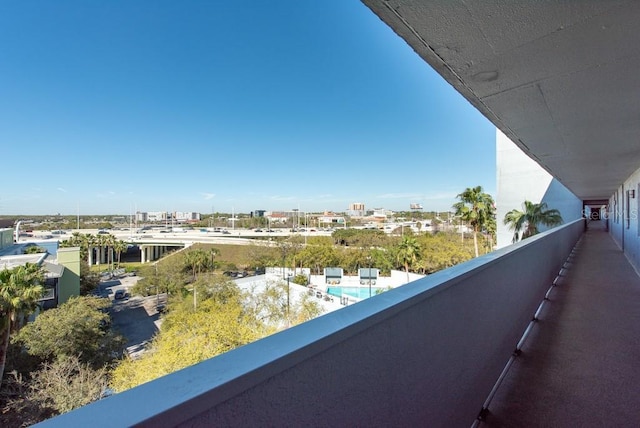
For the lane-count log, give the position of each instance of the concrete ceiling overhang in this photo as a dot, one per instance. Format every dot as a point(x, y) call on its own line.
point(560, 78)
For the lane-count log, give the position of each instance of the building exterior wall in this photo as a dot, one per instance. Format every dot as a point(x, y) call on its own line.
point(520, 178)
point(6, 238)
point(69, 283)
point(157, 216)
point(623, 219)
point(187, 216)
point(356, 209)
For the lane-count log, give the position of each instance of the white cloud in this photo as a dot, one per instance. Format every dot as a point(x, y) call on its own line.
point(61, 189)
point(206, 196)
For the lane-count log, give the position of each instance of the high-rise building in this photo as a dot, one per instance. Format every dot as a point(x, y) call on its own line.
point(356, 209)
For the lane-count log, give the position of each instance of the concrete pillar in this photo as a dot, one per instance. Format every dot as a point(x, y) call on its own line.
point(143, 259)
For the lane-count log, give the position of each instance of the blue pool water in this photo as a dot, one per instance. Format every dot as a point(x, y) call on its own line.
point(358, 292)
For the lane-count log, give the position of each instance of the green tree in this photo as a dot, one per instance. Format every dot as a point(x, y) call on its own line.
point(525, 223)
point(277, 306)
point(408, 253)
point(64, 385)
point(188, 336)
point(164, 276)
point(101, 243)
point(79, 327)
point(440, 251)
point(476, 208)
point(199, 260)
point(359, 237)
point(119, 246)
point(20, 290)
point(319, 256)
point(108, 242)
point(88, 280)
point(490, 229)
point(262, 256)
point(86, 242)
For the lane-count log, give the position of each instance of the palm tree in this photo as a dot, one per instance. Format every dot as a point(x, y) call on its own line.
point(528, 220)
point(490, 229)
point(109, 241)
point(408, 252)
point(100, 241)
point(197, 260)
point(476, 208)
point(77, 240)
point(20, 290)
point(120, 247)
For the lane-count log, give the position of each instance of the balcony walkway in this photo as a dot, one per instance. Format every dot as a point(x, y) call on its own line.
point(580, 366)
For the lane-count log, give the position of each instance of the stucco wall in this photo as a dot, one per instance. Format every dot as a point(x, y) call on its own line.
point(69, 284)
point(623, 218)
point(520, 178)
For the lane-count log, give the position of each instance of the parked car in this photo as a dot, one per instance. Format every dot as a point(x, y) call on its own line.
point(120, 294)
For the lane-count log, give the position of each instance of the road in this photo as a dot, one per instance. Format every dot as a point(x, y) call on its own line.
point(234, 236)
point(136, 318)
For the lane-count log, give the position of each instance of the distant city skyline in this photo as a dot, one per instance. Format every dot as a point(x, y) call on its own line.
point(237, 106)
point(134, 214)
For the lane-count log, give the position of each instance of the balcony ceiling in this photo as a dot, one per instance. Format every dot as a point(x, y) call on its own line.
point(560, 78)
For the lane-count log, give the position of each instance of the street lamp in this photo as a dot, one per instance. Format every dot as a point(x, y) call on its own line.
point(284, 262)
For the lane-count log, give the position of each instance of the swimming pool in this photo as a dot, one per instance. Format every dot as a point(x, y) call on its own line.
point(358, 292)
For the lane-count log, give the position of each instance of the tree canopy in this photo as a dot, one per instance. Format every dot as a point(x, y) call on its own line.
point(526, 223)
point(20, 290)
point(476, 208)
point(77, 328)
point(218, 324)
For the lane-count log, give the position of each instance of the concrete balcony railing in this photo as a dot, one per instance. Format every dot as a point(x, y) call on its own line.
point(428, 352)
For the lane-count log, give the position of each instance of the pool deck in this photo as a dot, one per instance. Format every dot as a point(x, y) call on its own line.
point(397, 278)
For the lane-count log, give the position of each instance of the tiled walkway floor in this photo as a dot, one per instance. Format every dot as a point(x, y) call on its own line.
point(580, 367)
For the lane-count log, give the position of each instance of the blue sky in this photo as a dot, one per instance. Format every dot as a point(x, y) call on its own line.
point(110, 106)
